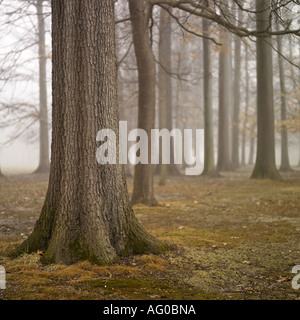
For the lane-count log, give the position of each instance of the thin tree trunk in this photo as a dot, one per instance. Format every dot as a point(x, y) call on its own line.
point(285, 162)
point(299, 110)
point(293, 76)
point(165, 92)
point(252, 145)
point(143, 191)
point(209, 157)
point(246, 110)
point(224, 161)
point(236, 101)
point(177, 93)
point(163, 48)
point(87, 213)
point(265, 166)
point(43, 114)
point(122, 114)
point(172, 168)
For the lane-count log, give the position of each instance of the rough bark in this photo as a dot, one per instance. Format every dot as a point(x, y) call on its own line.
point(44, 164)
point(285, 162)
point(265, 167)
point(209, 157)
point(87, 214)
point(143, 191)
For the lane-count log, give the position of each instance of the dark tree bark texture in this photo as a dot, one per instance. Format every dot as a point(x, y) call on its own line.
point(87, 214)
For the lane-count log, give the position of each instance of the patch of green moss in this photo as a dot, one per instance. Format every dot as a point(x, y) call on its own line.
point(80, 252)
point(147, 288)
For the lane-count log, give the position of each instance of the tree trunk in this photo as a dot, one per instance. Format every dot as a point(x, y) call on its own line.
point(165, 92)
point(87, 214)
point(163, 84)
point(43, 115)
point(209, 157)
point(224, 161)
point(299, 148)
point(252, 145)
point(285, 162)
point(243, 161)
point(236, 100)
point(294, 77)
point(265, 166)
point(122, 114)
point(298, 105)
point(143, 191)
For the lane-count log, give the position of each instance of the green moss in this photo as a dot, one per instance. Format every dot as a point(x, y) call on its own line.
point(148, 288)
point(140, 242)
point(265, 172)
point(80, 252)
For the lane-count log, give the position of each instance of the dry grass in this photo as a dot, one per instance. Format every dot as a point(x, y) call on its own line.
point(236, 238)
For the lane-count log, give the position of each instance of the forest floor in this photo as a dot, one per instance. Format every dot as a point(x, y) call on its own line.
point(236, 239)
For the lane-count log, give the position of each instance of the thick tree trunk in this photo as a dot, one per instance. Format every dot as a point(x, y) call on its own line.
point(43, 115)
point(224, 161)
point(265, 166)
point(209, 157)
point(285, 162)
point(87, 213)
point(243, 161)
point(236, 101)
point(143, 191)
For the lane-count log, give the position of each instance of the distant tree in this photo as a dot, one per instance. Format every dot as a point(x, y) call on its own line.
point(252, 146)
point(285, 162)
point(245, 120)
point(224, 159)
point(209, 157)
point(165, 91)
point(23, 114)
point(142, 22)
point(236, 99)
point(43, 114)
point(143, 190)
point(164, 84)
point(265, 166)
